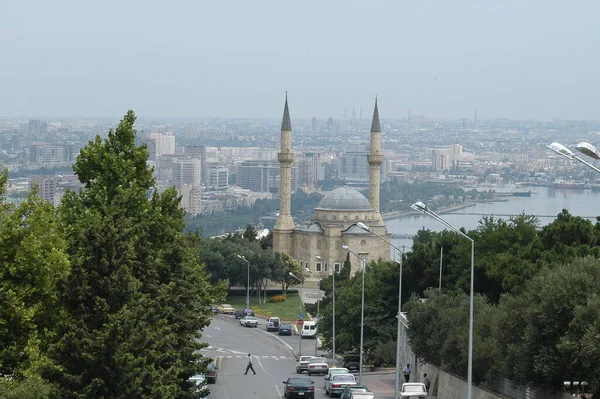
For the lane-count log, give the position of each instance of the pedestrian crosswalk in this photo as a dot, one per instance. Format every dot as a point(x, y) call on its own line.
point(231, 354)
point(260, 357)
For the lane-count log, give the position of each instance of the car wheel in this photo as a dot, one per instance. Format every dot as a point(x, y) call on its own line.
point(309, 374)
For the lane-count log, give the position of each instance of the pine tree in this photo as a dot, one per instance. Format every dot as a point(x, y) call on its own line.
point(136, 298)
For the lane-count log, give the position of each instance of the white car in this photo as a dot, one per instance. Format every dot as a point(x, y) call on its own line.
point(317, 365)
point(413, 390)
point(336, 370)
point(338, 382)
point(302, 363)
point(249, 321)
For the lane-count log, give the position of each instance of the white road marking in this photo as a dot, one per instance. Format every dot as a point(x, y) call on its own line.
point(217, 328)
point(262, 367)
point(278, 391)
point(209, 336)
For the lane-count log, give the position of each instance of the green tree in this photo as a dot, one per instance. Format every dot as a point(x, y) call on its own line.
point(136, 299)
point(548, 330)
point(33, 259)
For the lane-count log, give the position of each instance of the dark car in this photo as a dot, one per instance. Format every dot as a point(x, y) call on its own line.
point(285, 329)
point(347, 394)
point(299, 387)
point(213, 309)
point(352, 362)
point(242, 312)
point(211, 377)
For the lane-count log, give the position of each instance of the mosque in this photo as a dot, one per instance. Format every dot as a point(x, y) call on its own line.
point(318, 246)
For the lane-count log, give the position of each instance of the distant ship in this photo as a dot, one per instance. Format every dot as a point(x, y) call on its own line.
point(504, 190)
point(569, 185)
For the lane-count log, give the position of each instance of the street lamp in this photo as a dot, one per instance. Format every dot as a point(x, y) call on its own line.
point(301, 307)
point(362, 311)
point(399, 329)
point(421, 207)
point(248, 282)
point(333, 312)
point(583, 147)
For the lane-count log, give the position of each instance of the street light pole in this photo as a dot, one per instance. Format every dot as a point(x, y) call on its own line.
point(441, 255)
point(421, 207)
point(583, 147)
point(399, 327)
point(247, 282)
point(333, 312)
point(362, 312)
point(300, 332)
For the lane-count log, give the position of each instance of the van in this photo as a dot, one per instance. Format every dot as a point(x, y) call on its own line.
point(309, 329)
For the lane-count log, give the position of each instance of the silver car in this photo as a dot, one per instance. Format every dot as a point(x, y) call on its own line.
point(317, 365)
point(249, 321)
point(338, 382)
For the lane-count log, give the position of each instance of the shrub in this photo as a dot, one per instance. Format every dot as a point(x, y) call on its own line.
point(277, 299)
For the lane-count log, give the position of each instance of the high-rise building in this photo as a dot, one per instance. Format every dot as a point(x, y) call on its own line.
point(218, 178)
point(46, 186)
point(37, 127)
point(191, 199)
point(354, 166)
point(165, 143)
point(262, 176)
point(186, 171)
point(40, 153)
point(198, 151)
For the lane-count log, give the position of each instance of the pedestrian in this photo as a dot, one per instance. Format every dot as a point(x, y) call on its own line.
point(406, 371)
point(249, 366)
point(426, 381)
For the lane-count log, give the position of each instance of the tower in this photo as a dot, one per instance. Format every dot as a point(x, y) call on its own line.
point(375, 158)
point(284, 227)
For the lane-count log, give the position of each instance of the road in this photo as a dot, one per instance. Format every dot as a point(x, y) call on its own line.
point(274, 361)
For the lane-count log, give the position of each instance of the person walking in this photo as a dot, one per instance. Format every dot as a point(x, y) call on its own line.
point(249, 366)
point(426, 382)
point(406, 371)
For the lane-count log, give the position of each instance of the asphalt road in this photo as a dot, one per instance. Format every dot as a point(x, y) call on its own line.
point(274, 361)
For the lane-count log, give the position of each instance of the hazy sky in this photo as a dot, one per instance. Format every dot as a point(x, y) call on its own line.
point(193, 58)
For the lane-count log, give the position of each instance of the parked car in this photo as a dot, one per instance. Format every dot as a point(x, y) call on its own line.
point(413, 390)
point(299, 387)
point(317, 365)
point(309, 329)
point(225, 308)
point(362, 395)
point(338, 382)
point(243, 312)
point(352, 362)
point(273, 324)
point(199, 382)
point(302, 364)
point(336, 370)
point(285, 329)
point(213, 308)
point(351, 389)
point(249, 321)
point(211, 377)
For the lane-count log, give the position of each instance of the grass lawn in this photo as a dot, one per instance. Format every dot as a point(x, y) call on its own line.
point(286, 311)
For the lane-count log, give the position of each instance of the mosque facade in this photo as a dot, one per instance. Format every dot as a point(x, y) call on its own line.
point(318, 246)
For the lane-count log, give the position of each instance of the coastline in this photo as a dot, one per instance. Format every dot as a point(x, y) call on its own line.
point(451, 208)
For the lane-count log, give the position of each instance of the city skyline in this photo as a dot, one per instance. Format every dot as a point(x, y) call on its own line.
point(515, 60)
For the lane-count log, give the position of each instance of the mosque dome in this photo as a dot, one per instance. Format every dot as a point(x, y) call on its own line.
point(344, 199)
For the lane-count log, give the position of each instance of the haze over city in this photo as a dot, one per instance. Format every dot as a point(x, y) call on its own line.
point(509, 59)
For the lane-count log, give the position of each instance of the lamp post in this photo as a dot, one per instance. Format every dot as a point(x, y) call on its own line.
point(362, 312)
point(583, 147)
point(421, 207)
point(248, 282)
point(399, 328)
point(300, 333)
point(333, 312)
point(441, 255)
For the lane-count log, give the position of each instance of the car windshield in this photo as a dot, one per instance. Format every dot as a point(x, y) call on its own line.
point(318, 360)
point(363, 395)
point(300, 382)
point(413, 388)
point(338, 371)
point(250, 318)
point(305, 358)
point(285, 326)
point(343, 377)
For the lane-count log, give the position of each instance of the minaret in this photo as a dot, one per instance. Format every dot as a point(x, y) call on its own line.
point(375, 158)
point(284, 227)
